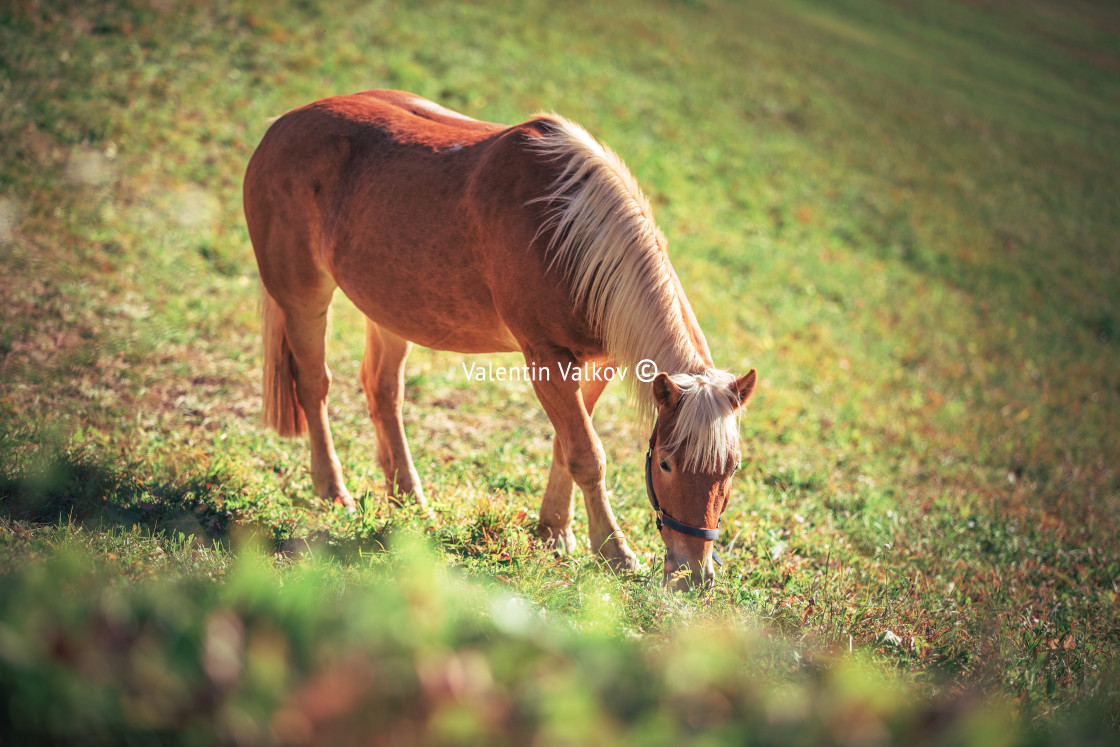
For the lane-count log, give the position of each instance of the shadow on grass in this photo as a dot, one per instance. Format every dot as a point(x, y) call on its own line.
point(53, 484)
point(50, 482)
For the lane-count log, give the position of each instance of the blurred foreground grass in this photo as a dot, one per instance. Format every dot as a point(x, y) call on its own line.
point(404, 649)
point(903, 216)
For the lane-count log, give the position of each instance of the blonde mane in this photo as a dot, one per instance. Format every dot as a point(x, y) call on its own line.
point(707, 420)
point(605, 240)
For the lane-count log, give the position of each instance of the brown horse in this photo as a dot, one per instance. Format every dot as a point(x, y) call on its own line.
point(475, 237)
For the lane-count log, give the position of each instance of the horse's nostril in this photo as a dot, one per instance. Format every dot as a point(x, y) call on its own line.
point(682, 576)
point(678, 581)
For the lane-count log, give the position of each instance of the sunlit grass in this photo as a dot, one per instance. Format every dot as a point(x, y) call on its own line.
point(904, 218)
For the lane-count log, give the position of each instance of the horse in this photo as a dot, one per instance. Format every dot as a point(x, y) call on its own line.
point(468, 236)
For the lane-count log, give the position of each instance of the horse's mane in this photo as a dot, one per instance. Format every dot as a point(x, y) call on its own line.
point(707, 419)
point(605, 240)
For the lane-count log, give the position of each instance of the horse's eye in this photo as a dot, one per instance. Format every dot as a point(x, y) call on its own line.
point(664, 464)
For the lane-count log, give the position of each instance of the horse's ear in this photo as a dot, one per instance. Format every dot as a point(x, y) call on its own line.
point(744, 387)
point(665, 392)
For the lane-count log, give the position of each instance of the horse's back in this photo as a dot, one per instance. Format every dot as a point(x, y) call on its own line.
point(417, 213)
point(334, 142)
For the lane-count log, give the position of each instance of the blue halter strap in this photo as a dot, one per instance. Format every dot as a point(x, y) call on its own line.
point(664, 518)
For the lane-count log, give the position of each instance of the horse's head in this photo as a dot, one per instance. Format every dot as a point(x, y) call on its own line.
point(693, 454)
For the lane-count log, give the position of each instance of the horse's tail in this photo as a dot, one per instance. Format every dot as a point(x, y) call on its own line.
point(282, 410)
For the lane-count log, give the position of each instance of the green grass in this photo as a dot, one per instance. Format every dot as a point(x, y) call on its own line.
point(903, 216)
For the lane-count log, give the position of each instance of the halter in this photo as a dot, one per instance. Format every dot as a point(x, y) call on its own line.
point(667, 520)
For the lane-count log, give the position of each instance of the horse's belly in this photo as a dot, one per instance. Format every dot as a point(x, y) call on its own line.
point(437, 334)
point(437, 310)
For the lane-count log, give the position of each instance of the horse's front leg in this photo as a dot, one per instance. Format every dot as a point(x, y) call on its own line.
point(558, 504)
point(582, 459)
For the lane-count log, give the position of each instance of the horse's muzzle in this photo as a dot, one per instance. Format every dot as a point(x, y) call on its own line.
point(682, 575)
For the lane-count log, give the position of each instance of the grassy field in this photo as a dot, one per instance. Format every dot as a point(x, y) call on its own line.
point(903, 214)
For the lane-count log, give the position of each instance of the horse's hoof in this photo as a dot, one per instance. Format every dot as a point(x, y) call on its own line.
point(425, 513)
point(347, 502)
point(625, 562)
point(561, 540)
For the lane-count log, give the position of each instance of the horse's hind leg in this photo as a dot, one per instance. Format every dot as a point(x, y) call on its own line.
point(558, 504)
point(383, 383)
point(305, 330)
